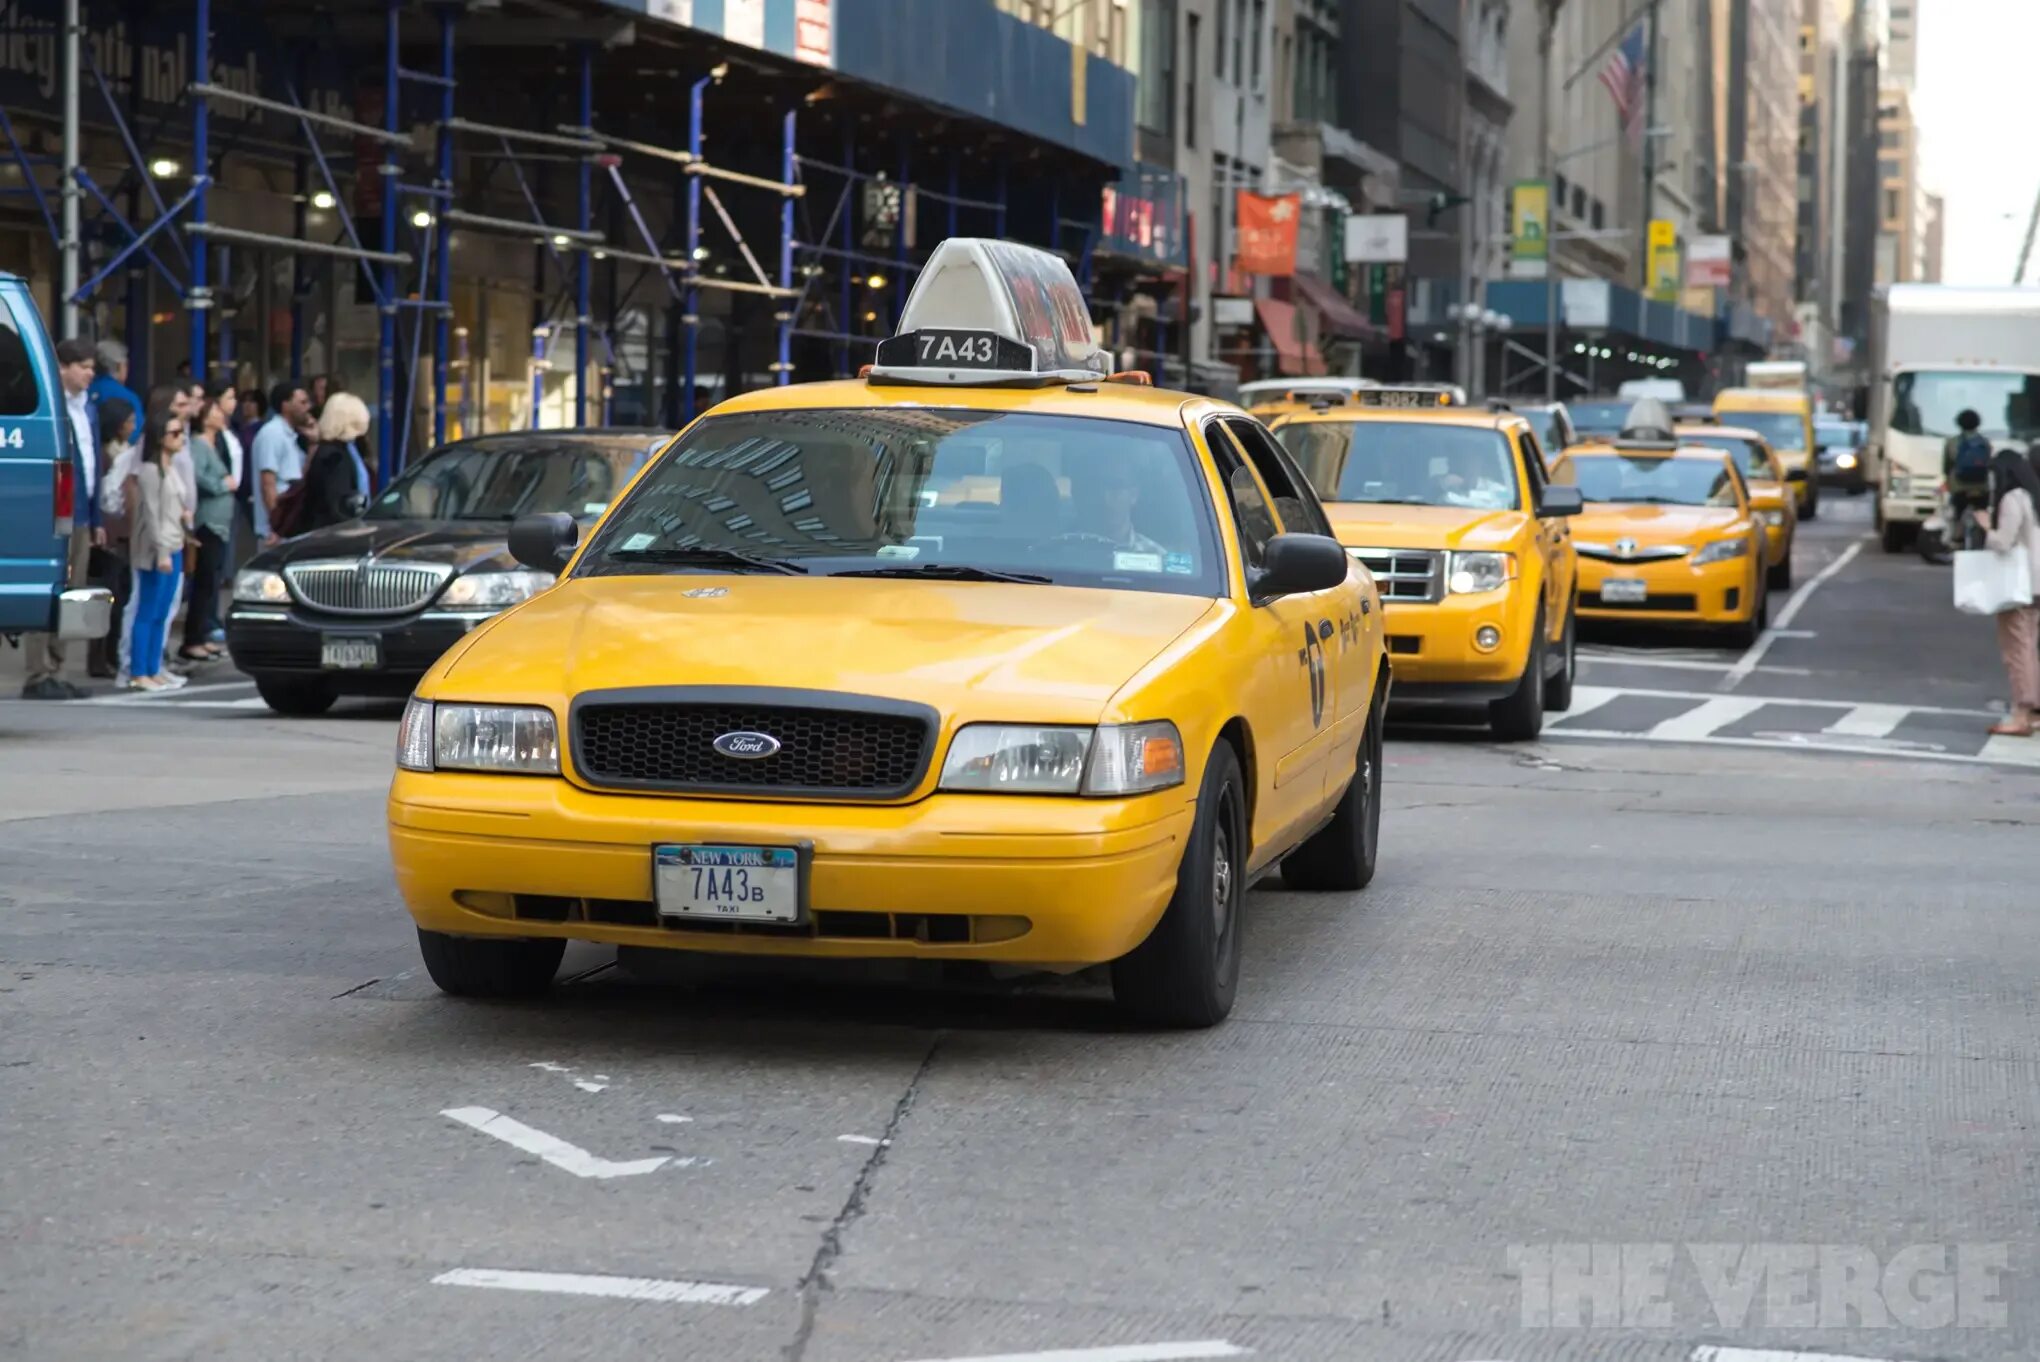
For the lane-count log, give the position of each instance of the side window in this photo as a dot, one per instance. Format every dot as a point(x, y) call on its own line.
point(1252, 515)
point(18, 395)
point(1533, 468)
point(1298, 508)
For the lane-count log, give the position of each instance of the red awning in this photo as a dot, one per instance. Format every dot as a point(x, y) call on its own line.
point(1295, 356)
point(1340, 317)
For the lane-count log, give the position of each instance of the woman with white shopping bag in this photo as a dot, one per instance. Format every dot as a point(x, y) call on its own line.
point(2013, 534)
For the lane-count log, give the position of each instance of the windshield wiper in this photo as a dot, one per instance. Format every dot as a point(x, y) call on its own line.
point(706, 555)
point(952, 572)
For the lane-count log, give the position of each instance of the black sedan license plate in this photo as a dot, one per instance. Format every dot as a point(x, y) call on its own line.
point(352, 653)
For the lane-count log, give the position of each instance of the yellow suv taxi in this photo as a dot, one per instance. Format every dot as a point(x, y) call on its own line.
point(1770, 488)
point(987, 656)
point(1784, 417)
point(1451, 512)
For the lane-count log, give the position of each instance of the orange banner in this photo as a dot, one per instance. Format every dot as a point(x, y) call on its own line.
point(1267, 235)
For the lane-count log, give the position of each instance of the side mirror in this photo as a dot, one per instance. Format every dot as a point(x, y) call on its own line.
point(1298, 564)
point(354, 505)
point(1561, 500)
point(1795, 475)
point(545, 541)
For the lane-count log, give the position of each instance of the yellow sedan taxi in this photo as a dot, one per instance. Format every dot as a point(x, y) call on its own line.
point(1450, 510)
point(1668, 535)
point(986, 656)
point(1270, 397)
point(1770, 487)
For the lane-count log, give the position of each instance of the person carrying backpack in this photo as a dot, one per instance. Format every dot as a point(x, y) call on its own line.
point(1965, 464)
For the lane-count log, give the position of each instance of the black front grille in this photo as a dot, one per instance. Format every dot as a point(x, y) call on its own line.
point(670, 745)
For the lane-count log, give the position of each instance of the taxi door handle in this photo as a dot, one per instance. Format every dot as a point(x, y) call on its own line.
point(1324, 629)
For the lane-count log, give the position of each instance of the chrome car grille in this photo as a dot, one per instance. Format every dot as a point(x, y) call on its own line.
point(364, 586)
point(1405, 574)
point(1622, 552)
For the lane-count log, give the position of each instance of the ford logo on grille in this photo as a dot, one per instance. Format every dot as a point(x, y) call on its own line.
point(746, 746)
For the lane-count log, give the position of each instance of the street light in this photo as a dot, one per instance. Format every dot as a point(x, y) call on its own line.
point(421, 219)
point(163, 167)
point(323, 200)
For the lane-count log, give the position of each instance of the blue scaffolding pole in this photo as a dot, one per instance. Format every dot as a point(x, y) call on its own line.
point(386, 349)
point(198, 298)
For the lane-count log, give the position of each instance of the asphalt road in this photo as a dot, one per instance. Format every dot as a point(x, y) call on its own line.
point(1641, 1046)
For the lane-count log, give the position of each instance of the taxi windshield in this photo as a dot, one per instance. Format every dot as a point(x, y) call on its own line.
point(1409, 463)
point(1781, 429)
point(501, 478)
point(1748, 455)
point(1649, 481)
point(930, 492)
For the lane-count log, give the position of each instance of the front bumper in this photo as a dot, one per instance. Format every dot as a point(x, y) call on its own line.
point(287, 641)
point(1910, 502)
point(1432, 645)
point(1058, 883)
point(1676, 592)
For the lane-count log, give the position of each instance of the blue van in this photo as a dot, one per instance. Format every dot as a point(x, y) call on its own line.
point(38, 483)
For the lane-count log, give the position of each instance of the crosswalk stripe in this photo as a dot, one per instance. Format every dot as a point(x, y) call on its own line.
point(2011, 751)
point(1704, 718)
point(1869, 721)
point(1586, 699)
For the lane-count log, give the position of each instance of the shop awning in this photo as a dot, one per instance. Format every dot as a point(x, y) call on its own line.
point(1340, 317)
point(1294, 355)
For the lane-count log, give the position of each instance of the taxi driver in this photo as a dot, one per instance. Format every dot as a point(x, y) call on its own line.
point(1469, 481)
point(1105, 510)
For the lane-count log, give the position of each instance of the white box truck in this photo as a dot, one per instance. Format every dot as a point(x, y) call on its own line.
point(1937, 350)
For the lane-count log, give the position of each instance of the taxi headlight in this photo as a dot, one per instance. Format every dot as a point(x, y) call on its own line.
point(1467, 573)
point(494, 588)
point(520, 739)
point(1114, 759)
point(1775, 519)
point(258, 586)
point(1721, 550)
point(1845, 460)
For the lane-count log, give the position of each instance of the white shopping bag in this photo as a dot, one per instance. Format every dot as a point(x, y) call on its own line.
point(1988, 582)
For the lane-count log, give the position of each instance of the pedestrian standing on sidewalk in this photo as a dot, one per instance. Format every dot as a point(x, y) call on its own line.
point(2014, 522)
point(275, 457)
point(110, 360)
point(118, 425)
point(161, 515)
point(44, 679)
point(334, 474)
point(212, 524)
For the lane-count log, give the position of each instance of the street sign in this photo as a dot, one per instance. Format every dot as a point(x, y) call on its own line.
point(1584, 304)
point(1710, 262)
point(1232, 311)
point(1381, 239)
point(1529, 229)
point(1664, 261)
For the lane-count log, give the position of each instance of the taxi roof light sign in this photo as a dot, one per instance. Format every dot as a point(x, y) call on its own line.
point(987, 312)
point(1414, 396)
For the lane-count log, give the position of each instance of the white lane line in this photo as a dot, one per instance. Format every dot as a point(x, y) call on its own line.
point(1779, 745)
point(1747, 663)
point(555, 1151)
point(1799, 700)
point(1704, 718)
point(613, 1288)
point(1587, 699)
point(861, 1139)
point(1708, 1352)
point(1869, 721)
point(1677, 665)
point(142, 697)
point(1128, 1352)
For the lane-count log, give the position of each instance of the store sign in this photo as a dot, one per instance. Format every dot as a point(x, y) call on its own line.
point(1381, 239)
point(1267, 232)
point(801, 29)
point(1663, 274)
point(1585, 304)
point(1710, 262)
point(1232, 311)
point(1141, 218)
point(1529, 229)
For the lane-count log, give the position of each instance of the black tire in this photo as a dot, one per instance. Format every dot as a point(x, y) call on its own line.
point(1340, 856)
point(1779, 576)
point(1749, 631)
point(489, 967)
point(1186, 972)
point(1519, 716)
point(298, 698)
point(1812, 511)
point(1895, 538)
point(1558, 689)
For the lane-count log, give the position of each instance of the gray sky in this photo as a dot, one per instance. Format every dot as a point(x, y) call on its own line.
point(1980, 129)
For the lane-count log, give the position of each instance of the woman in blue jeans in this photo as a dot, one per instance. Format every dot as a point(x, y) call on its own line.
point(160, 506)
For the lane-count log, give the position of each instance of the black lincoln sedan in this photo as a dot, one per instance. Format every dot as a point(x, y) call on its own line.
point(366, 607)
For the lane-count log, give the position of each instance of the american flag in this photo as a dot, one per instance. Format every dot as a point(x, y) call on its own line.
point(1623, 75)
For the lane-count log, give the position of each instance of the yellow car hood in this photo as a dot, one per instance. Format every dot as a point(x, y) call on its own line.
point(1650, 525)
point(1374, 525)
point(983, 649)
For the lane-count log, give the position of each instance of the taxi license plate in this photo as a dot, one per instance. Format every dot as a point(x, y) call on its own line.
point(727, 883)
point(1623, 589)
point(350, 654)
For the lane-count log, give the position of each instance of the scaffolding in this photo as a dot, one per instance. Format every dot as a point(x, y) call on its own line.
point(412, 159)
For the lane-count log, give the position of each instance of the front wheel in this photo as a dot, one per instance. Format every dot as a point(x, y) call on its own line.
point(300, 699)
point(490, 967)
point(1780, 575)
point(1812, 511)
point(1746, 634)
point(1558, 688)
point(1186, 972)
point(1519, 716)
point(1341, 855)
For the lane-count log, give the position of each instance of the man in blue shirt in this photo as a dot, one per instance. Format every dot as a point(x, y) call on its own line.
point(277, 459)
point(110, 367)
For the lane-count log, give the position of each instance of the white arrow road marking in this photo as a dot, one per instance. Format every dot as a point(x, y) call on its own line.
point(616, 1288)
point(1130, 1352)
point(551, 1148)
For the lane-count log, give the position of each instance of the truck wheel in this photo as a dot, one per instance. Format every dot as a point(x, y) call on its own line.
point(1558, 688)
point(289, 695)
point(1187, 970)
point(1519, 716)
point(488, 967)
point(1340, 856)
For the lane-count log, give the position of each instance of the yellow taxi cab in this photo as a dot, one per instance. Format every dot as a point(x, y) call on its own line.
point(1266, 397)
point(1770, 487)
point(1451, 511)
point(1784, 417)
point(806, 689)
point(1668, 535)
